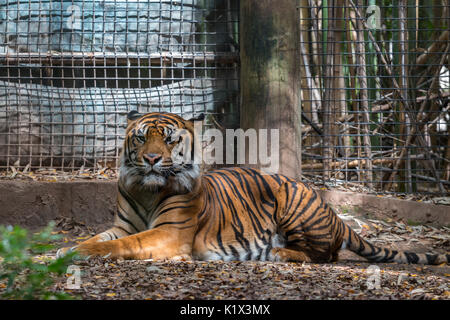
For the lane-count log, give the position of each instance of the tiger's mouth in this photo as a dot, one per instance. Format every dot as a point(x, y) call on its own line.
point(179, 177)
point(164, 168)
point(164, 171)
point(152, 170)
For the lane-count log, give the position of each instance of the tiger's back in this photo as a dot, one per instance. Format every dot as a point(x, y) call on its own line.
point(246, 218)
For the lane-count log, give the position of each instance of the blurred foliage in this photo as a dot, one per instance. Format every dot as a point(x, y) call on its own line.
point(28, 277)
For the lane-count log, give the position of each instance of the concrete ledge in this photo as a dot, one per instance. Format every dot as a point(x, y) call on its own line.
point(33, 204)
point(370, 205)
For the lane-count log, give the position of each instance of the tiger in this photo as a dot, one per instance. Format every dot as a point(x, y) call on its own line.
point(168, 209)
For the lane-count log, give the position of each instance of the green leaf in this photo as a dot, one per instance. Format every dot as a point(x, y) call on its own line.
point(27, 279)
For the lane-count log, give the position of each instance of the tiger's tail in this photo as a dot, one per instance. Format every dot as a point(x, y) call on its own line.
point(354, 242)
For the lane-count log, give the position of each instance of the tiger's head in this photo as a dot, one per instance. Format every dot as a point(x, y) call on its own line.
point(158, 152)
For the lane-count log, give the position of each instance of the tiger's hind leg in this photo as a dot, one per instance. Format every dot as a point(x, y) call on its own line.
point(308, 225)
point(289, 255)
point(295, 253)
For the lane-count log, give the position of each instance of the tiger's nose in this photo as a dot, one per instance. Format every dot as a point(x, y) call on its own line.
point(152, 158)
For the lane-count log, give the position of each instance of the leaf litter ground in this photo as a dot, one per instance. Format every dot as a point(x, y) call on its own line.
point(350, 278)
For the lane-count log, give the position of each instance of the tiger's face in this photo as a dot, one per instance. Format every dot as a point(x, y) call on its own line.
point(158, 152)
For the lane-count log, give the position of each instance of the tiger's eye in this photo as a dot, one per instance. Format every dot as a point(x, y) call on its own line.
point(139, 135)
point(140, 139)
point(169, 140)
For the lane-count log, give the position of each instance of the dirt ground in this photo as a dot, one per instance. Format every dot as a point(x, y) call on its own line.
point(350, 278)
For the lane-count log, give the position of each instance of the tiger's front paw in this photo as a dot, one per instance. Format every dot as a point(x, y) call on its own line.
point(64, 251)
point(95, 249)
point(81, 253)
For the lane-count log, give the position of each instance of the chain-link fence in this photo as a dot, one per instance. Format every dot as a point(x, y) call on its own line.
point(375, 82)
point(375, 92)
point(71, 70)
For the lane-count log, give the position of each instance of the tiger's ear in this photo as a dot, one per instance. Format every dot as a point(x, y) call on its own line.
point(133, 115)
point(200, 117)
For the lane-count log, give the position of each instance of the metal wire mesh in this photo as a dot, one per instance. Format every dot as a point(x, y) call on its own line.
point(71, 70)
point(375, 82)
point(375, 94)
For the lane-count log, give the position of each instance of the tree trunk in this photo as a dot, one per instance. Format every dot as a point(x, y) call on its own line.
point(270, 81)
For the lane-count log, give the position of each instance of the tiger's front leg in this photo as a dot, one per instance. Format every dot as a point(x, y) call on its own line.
point(110, 234)
point(152, 244)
